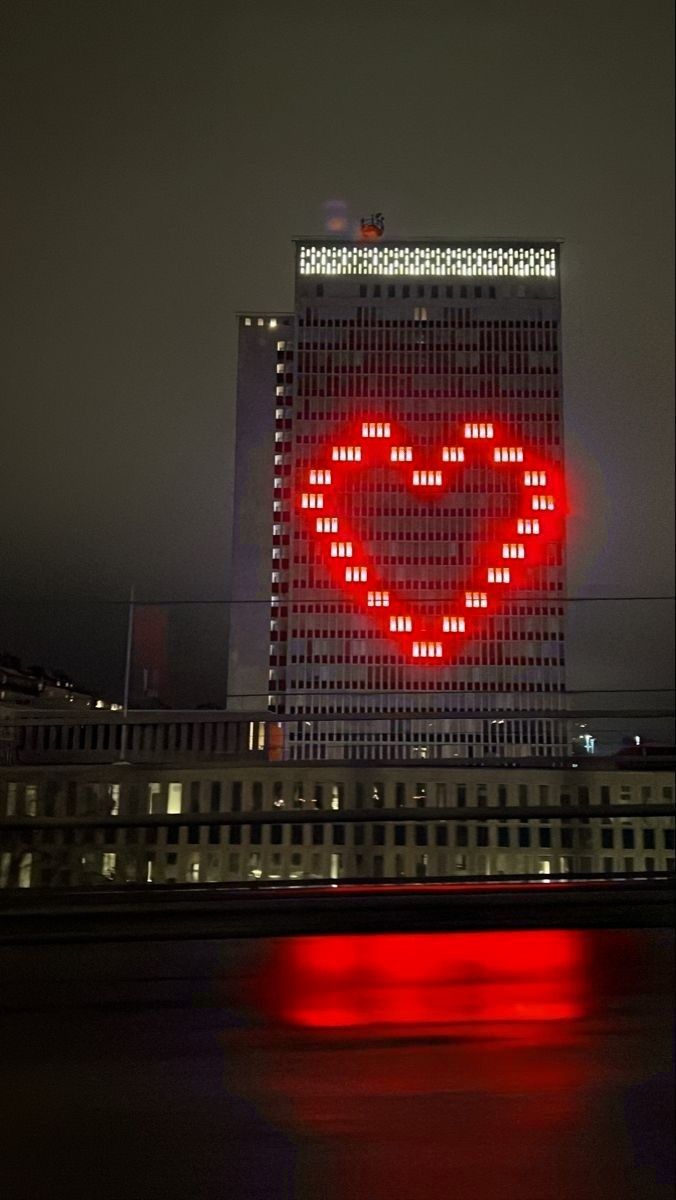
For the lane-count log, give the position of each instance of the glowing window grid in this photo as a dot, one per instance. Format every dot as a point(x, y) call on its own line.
point(466, 261)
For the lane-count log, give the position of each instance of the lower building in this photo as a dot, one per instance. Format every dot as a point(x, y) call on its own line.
point(78, 824)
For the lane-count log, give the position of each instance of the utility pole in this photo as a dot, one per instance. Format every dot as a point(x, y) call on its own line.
point(127, 676)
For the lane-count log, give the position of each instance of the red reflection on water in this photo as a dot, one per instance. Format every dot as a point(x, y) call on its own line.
point(426, 978)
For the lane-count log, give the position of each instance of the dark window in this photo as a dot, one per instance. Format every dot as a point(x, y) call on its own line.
point(339, 835)
point(400, 835)
point(503, 836)
point(275, 835)
point(648, 839)
point(172, 835)
point(193, 834)
point(545, 836)
point(400, 795)
point(235, 796)
point(296, 835)
point(421, 835)
point(524, 836)
point(461, 795)
point(461, 835)
point(442, 835)
point(236, 835)
point(669, 839)
point(607, 839)
point(567, 839)
point(482, 835)
point(215, 797)
point(214, 835)
point(378, 835)
point(317, 835)
point(627, 839)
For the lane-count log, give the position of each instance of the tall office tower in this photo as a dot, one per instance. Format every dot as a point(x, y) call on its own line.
point(399, 499)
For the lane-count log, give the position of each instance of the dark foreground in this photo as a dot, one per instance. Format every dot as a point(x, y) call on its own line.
point(498, 1065)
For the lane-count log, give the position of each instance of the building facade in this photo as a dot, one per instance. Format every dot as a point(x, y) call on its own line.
point(77, 825)
point(399, 547)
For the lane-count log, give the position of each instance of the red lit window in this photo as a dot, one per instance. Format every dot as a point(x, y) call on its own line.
point(378, 599)
point(427, 650)
point(454, 624)
point(508, 454)
point(476, 600)
point(478, 430)
point(498, 574)
point(346, 454)
point(401, 624)
point(427, 478)
point(341, 549)
point(453, 454)
point(543, 503)
point(524, 525)
point(327, 524)
point(320, 476)
point(376, 429)
point(513, 550)
point(356, 574)
point(401, 454)
point(535, 478)
point(312, 500)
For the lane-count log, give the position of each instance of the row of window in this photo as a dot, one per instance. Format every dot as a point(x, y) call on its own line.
point(464, 836)
point(71, 799)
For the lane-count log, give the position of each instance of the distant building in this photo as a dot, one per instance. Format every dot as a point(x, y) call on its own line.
point(33, 687)
point(198, 799)
point(398, 544)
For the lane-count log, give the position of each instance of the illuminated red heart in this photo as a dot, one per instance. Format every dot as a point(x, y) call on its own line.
point(510, 549)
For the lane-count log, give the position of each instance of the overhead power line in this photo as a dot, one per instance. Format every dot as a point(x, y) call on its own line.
point(161, 603)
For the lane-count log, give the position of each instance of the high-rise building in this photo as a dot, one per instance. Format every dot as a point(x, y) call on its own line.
point(398, 548)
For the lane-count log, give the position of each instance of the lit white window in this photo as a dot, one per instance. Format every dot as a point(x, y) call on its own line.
point(320, 477)
point(401, 624)
point(281, 345)
point(535, 478)
point(312, 500)
point(427, 650)
point(174, 792)
point(476, 600)
point(272, 324)
point(427, 478)
point(327, 525)
point(401, 454)
point(378, 599)
point(508, 454)
point(346, 454)
point(356, 574)
point(453, 454)
point(543, 503)
point(525, 525)
point(341, 549)
point(513, 550)
point(478, 430)
point(498, 574)
point(376, 429)
point(260, 321)
point(247, 320)
point(454, 625)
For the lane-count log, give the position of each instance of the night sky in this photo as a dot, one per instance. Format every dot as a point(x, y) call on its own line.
point(160, 157)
